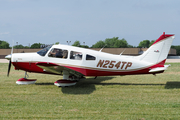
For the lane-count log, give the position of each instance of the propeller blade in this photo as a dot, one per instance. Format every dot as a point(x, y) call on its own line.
point(9, 68)
point(9, 57)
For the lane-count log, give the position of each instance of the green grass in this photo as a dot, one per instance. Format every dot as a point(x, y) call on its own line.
point(129, 97)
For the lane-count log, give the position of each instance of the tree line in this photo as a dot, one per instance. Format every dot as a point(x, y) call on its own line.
point(114, 42)
point(6, 45)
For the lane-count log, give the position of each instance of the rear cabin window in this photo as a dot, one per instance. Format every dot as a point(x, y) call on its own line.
point(74, 55)
point(58, 53)
point(90, 57)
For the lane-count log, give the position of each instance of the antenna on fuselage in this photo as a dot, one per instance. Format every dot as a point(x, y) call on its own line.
point(122, 52)
point(102, 48)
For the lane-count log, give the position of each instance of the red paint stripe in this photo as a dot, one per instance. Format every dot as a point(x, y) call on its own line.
point(162, 37)
point(86, 71)
point(26, 66)
point(26, 80)
point(29, 67)
point(162, 62)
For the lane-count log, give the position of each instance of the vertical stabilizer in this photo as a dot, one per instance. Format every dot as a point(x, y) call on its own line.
point(158, 51)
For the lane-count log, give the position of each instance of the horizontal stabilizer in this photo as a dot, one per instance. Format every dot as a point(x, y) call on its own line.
point(158, 69)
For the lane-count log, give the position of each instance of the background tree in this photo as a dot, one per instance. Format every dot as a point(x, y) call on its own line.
point(152, 41)
point(114, 42)
point(111, 42)
point(84, 46)
point(26, 47)
point(4, 44)
point(56, 43)
point(99, 44)
point(144, 44)
point(36, 45)
point(130, 46)
point(76, 43)
point(19, 46)
point(121, 43)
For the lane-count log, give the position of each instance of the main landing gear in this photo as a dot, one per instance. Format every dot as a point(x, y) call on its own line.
point(67, 80)
point(25, 81)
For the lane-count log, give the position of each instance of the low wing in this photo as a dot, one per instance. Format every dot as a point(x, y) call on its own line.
point(57, 69)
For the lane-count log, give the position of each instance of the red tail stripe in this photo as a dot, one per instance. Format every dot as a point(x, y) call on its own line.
point(163, 36)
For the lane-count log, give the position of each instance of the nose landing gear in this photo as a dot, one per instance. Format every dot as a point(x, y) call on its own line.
point(25, 81)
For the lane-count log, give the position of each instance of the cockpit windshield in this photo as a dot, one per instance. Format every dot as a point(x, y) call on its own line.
point(44, 51)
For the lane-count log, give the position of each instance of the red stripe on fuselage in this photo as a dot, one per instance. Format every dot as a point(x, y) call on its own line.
point(27, 66)
point(91, 72)
point(32, 67)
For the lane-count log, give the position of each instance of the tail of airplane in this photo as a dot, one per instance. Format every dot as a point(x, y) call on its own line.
point(158, 51)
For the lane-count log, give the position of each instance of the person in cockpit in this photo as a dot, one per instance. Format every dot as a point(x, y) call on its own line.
point(56, 53)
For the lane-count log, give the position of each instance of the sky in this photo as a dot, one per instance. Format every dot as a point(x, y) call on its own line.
point(51, 21)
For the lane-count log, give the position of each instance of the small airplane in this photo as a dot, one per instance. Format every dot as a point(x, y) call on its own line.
point(75, 63)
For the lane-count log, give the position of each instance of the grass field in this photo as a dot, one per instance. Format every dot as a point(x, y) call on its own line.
point(141, 97)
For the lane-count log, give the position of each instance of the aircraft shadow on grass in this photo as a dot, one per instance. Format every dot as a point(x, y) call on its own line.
point(82, 87)
point(168, 85)
point(172, 85)
point(48, 83)
point(88, 86)
point(85, 86)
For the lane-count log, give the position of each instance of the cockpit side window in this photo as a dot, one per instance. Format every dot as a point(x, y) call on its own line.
point(90, 57)
point(44, 51)
point(74, 55)
point(58, 53)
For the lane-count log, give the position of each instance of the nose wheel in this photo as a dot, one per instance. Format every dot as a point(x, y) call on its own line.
point(25, 81)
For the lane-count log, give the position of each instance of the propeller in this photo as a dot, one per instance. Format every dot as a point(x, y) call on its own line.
point(9, 57)
point(9, 67)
